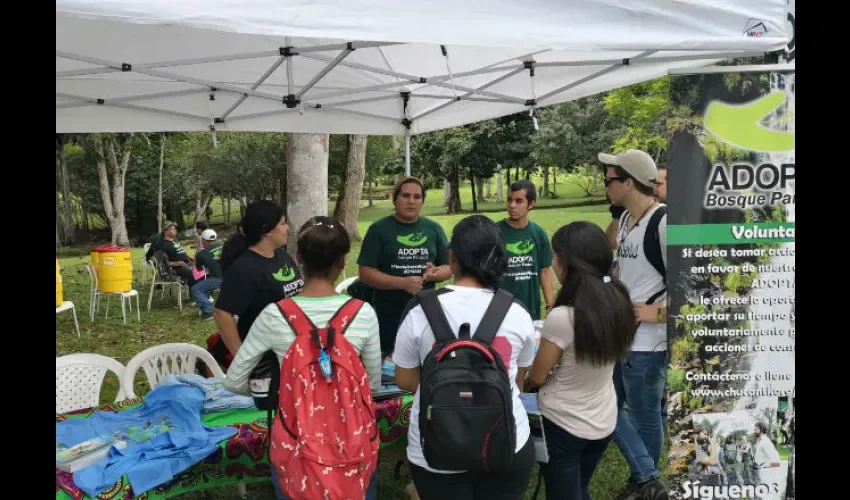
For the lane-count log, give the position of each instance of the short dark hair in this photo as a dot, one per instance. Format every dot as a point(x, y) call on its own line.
point(642, 188)
point(260, 217)
point(604, 319)
point(762, 427)
point(202, 225)
point(527, 186)
point(407, 180)
point(479, 250)
point(322, 243)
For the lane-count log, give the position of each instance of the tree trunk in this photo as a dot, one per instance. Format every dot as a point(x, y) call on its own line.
point(67, 201)
point(488, 187)
point(282, 182)
point(454, 205)
point(500, 188)
point(508, 176)
point(479, 188)
point(472, 183)
point(243, 204)
point(597, 173)
point(545, 182)
point(555, 183)
point(371, 198)
point(159, 220)
point(306, 180)
point(113, 199)
point(225, 208)
point(348, 202)
point(447, 192)
point(201, 203)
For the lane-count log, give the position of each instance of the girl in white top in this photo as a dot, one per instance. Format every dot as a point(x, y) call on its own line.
point(590, 328)
point(478, 258)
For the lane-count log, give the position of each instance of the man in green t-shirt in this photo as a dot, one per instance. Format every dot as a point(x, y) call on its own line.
point(529, 252)
point(207, 259)
point(402, 254)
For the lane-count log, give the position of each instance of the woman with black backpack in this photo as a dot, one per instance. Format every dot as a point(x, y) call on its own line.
point(590, 328)
point(469, 433)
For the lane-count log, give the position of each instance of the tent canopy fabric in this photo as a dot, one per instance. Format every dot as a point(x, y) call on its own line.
point(365, 67)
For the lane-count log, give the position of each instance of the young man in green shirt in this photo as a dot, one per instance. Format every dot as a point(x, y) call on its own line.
point(207, 258)
point(529, 252)
point(402, 254)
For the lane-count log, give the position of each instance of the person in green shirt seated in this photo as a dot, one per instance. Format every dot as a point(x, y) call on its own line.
point(529, 252)
point(402, 254)
point(207, 258)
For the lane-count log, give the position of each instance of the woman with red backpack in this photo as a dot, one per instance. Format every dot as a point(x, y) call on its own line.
point(324, 436)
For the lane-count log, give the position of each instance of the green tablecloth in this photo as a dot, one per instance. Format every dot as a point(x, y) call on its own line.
point(241, 458)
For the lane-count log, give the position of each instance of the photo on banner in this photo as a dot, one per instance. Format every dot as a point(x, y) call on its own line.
point(731, 268)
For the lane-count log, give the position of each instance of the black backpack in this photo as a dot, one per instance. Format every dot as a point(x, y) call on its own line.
point(466, 419)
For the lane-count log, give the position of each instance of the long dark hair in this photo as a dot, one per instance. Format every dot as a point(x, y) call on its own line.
point(260, 218)
point(479, 250)
point(605, 324)
point(322, 243)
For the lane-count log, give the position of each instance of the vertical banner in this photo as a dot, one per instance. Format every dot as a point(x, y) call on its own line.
point(731, 227)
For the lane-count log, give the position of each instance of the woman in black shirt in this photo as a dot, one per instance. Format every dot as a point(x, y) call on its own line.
point(257, 271)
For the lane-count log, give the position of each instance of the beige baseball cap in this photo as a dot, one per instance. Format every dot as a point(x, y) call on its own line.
point(636, 163)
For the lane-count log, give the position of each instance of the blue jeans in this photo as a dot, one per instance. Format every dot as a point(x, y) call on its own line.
point(572, 461)
point(371, 490)
point(639, 383)
point(201, 293)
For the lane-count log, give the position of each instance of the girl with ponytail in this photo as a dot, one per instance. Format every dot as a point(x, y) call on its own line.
point(590, 328)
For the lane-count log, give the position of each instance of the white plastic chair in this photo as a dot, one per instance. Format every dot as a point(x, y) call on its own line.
point(70, 305)
point(161, 361)
point(344, 284)
point(79, 378)
point(126, 298)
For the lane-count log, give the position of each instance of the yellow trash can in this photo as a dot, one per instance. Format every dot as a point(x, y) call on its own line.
point(114, 269)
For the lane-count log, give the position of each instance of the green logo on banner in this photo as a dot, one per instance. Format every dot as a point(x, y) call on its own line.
point(740, 125)
point(285, 273)
point(412, 240)
point(520, 247)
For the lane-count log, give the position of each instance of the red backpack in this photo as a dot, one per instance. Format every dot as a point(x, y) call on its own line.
point(325, 444)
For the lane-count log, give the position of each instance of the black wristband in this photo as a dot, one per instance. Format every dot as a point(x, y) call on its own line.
point(616, 212)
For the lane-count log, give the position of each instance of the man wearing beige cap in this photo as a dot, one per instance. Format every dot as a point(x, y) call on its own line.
point(641, 259)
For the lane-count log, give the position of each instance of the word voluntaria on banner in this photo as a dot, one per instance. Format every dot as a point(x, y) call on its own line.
point(746, 185)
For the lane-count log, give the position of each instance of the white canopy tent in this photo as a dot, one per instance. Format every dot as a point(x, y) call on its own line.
point(372, 67)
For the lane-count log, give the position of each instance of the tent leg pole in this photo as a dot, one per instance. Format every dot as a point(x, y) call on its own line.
point(407, 152)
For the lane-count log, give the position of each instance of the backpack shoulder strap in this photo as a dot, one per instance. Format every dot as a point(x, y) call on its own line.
point(436, 317)
point(652, 243)
point(298, 321)
point(344, 316)
point(493, 316)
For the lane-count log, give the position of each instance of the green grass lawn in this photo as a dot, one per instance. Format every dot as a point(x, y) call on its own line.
point(165, 323)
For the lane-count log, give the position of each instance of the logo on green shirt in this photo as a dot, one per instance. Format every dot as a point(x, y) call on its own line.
point(285, 273)
point(520, 247)
point(412, 240)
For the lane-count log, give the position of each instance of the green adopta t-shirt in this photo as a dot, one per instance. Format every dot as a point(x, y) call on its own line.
point(401, 249)
point(208, 257)
point(529, 251)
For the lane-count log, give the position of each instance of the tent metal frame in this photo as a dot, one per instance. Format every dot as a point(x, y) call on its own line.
point(302, 99)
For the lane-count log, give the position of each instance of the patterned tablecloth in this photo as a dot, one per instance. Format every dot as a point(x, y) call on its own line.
point(241, 458)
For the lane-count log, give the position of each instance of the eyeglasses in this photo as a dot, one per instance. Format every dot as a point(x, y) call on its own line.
point(609, 180)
